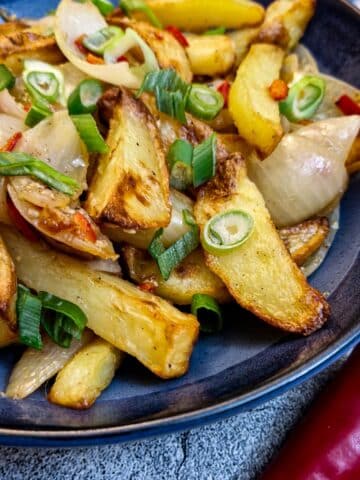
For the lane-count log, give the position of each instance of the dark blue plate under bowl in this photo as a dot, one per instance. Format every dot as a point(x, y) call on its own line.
point(249, 362)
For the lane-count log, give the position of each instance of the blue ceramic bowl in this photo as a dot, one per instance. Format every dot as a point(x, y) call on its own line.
point(249, 362)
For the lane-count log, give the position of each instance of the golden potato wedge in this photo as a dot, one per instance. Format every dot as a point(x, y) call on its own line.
point(25, 44)
point(4, 215)
point(142, 238)
point(286, 21)
point(190, 277)
point(7, 28)
point(35, 367)
point(255, 113)
point(168, 51)
point(234, 143)
point(260, 274)
point(7, 336)
point(304, 239)
point(86, 375)
point(8, 286)
point(136, 322)
point(223, 122)
point(200, 15)
point(210, 55)
point(242, 40)
point(353, 161)
point(131, 184)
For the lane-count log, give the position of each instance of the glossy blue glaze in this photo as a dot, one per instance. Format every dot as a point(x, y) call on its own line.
point(246, 364)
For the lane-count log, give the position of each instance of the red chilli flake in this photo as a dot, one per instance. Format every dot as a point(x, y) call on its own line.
point(224, 89)
point(79, 44)
point(148, 287)
point(11, 143)
point(348, 106)
point(122, 58)
point(20, 223)
point(175, 32)
point(85, 227)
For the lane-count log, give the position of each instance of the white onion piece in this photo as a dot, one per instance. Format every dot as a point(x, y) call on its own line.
point(306, 172)
point(8, 126)
point(9, 105)
point(106, 266)
point(74, 19)
point(72, 77)
point(56, 141)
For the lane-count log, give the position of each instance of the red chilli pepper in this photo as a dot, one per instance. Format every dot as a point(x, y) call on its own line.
point(122, 58)
point(20, 223)
point(85, 227)
point(11, 143)
point(148, 287)
point(348, 106)
point(326, 444)
point(79, 43)
point(175, 32)
point(224, 89)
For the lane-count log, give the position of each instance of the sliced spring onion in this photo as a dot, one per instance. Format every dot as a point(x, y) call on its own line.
point(98, 41)
point(28, 308)
point(129, 6)
point(7, 79)
point(303, 99)
point(89, 133)
point(204, 161)
point(171, 103)
point(180, 164)
point(168, 259)
point(166, 79)
point(52, 78)
point(36, 114)
point(68, 309)
point(216, 31)
point(105, 6)
point(53, 326)
point(17, 163)
point(85, 97)
point(204, 102)
point(226, 231)
point(207, 311)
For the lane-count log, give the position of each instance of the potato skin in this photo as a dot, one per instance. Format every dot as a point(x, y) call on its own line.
point(8, 287)
point(130, 187)
point(260, 274)
point(7, 336)
point(286, 21)
point(86, 375)
point(255, 113)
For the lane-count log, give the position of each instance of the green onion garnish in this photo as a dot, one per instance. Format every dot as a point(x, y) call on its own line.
point(7, 79)
point(44, 83)
point(28, 308)
point(17, 163)
point(105, 6)
point(227, 231)
point(129, 6)
point(215, 31)
point(89, 133)
point(204, 161)
point(85, 97)
point(180, 158)
point(36, 114)
point(303, 99)
point(168, 259)
point(98, 41)
point(207, 311)
point(204, 102)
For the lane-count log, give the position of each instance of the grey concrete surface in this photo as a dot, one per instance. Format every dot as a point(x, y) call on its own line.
point(233, 449)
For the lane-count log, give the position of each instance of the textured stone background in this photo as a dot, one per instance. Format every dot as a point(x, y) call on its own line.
point(234, 449)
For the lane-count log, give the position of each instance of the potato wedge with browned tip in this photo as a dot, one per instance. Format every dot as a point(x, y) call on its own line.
point(286, 21)
point(242, 40)
point(259, 274)
point(7, 336)
point(130, 187)
point(86, 375)
point(7, 287)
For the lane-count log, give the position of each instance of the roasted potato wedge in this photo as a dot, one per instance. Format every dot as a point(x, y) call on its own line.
point(353, 161)
point(304, 239)
point(136, 322)
point(24, 44)
point(210, 55)
point(86, 375)
point(223, 122)
point(260, 274)
point(168, 51)
point(35, 367)
point(7, 287)
point(7, 336)
point(190, 277)
point(285, 22)
point(199, 15)
point(242, 40)
point(255, 113)
point(8, 28)
point(131, 184)
point(234, 143)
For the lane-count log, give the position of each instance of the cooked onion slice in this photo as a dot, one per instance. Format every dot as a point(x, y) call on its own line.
point(306, 172)
point(9, 125)
point(9, 105)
